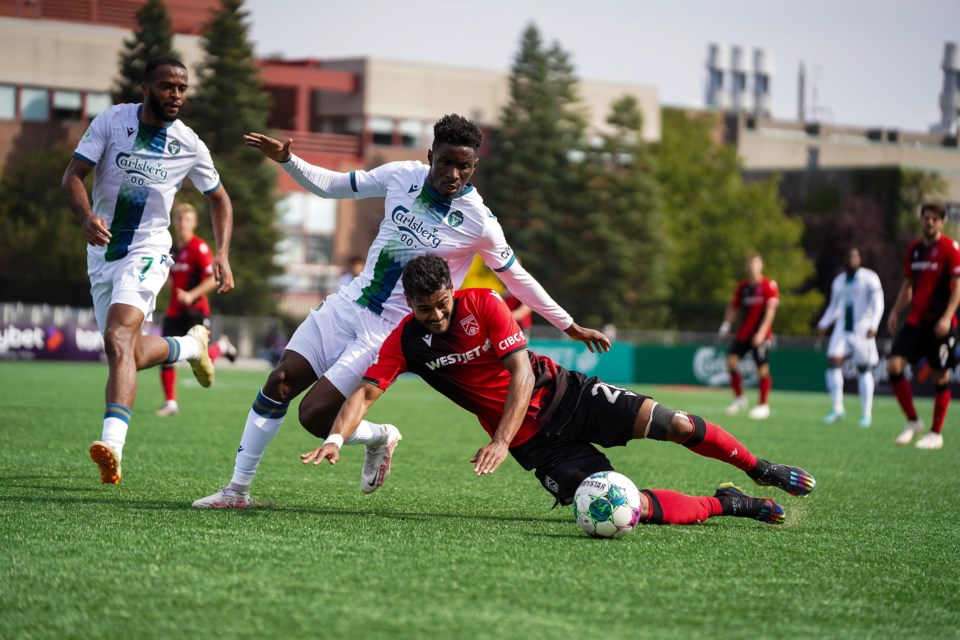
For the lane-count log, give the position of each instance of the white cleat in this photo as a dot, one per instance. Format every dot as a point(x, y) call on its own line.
point(834, 416)
point(202, 365)
point(759, 412)
point(866, 420)
point(930, 441)
point(168, 409)
point(378, 459)
point(913, 428)
point(738, 405)
point(226, 498)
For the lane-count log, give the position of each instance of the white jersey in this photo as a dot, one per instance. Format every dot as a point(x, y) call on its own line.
point(856, 303)
point(417, 220)
point(139, 169)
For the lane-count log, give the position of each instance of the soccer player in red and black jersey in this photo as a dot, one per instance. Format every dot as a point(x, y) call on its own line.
point(758, 296)
point(467, 346)
point(191, 278)
point(930, 287)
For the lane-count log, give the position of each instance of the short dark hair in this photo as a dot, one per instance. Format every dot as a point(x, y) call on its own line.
point(425, 275)
point(162, 61)
point(936, 207)
point(458, 131)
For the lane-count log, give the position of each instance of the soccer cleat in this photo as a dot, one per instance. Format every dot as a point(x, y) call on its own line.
point(226, 498)
point(228, 348)
point(168, 409)
point(759, 412)
point(739, 404)
point(834, 416)
point(739, 505)
point(930, 441)
point(202, 365)
point(376, 463)
point(866, 421)
point(793, 480)
point(108, 460)
point(913, 428)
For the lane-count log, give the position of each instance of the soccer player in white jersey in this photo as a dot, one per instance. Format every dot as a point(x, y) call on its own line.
point(427, 208)
point(140, 154)
point(856, 305)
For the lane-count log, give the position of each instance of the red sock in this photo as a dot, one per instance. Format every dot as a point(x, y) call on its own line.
point(765, 383)
point(901, 388)
point(214, 351)
point(736, 381)
point(673, 507)
point(941, 400)
point(713, 441)
point(168, 378)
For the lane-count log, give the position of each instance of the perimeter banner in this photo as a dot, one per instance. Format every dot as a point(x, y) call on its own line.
point(50, 342)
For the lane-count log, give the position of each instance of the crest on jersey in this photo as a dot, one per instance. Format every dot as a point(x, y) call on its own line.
point(455, 218)
point(470, 325)
point(173, 147)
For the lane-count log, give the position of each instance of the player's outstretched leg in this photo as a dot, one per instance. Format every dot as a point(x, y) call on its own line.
point(202, 365)
point(793, 480)
point(378, 459)
point(739, 505)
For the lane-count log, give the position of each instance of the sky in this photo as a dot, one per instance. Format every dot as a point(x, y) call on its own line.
point(869, 63)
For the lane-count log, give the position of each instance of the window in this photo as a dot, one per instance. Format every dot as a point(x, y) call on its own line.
point(34, 104)
point(410, 133)
point(382, 130)
point(67, 105)
point(97, 103)
point(813, 157)
point(319, 249)
point(290, 250)
point(8, 102)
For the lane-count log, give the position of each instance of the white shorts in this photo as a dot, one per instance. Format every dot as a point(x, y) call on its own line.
point(340, 339)
point(844, 344)
point(134, 280)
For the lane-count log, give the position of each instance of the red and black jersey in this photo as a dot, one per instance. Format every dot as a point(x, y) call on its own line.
point(931, 269)
point(192, 263)
point(754, 300)
point(466, 362)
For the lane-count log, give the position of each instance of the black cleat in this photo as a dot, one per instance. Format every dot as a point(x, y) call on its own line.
point(793, 480)
point(739, 505)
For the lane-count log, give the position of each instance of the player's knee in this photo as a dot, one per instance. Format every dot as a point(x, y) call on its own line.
point(117, 341)
point(894, 367)
point(681, 428)
point(279, 385)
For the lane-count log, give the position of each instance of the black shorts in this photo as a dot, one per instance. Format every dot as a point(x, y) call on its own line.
point(915, 342)
point(179, 325)
point(761, 354)
point(591, 412)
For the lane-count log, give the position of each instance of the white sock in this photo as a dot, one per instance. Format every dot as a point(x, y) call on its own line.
point(865, 384)
point(182, 348)
point(367, 434)
point(263, 422)
point(115, 428)
point(835, 387)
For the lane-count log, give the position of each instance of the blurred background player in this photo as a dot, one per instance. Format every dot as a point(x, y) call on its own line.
point(141, 153)
point(758, 296)
point(930, 287)
point(354, 268)
point(520, 312)
point(855, 309)
point(191, 278)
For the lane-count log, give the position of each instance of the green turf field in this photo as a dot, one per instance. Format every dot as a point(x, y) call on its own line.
point(438, 553)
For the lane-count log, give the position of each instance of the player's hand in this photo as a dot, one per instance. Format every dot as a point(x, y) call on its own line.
point(184, 298)
point(328, 452)
point(892, 322)
point(222, 274)
point(95, 231)
point(489, 457)
point(942, 327)
point(595, 340)
point(822, 333)
point(270, 147)
point(757, 340)
point(871, 333)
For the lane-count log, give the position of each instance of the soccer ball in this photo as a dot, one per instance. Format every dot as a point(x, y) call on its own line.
point(607, 505)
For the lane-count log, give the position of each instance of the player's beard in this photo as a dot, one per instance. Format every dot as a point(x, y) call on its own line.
point(156, 108)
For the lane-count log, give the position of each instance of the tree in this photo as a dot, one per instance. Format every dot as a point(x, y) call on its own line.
point(228, 104)
point(532, 177)
point(43, 258)
point(151, 39)
point(714, 219)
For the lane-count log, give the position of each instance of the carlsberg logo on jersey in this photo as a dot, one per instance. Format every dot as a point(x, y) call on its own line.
point(454, 358)
point(414, 230)
point(134, 165)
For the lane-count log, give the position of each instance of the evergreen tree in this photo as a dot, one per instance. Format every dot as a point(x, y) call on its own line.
point(532, 177)
point(151, 39)
point(229, 103)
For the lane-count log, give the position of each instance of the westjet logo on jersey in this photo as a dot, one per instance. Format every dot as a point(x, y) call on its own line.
point(133, 165)
point(925, 265)
point(456, 358)
point(414, 230)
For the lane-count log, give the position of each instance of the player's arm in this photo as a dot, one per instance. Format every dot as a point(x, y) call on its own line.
point(317, 180)
point(946, 320)
point(766, 323)
point(903, 299)
point(876, 307)
point(221, 214)
point(729, 315)
point(489, 457)
point(349, 417)
point(206, 285)
point(94, 227)
point(830, 313)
